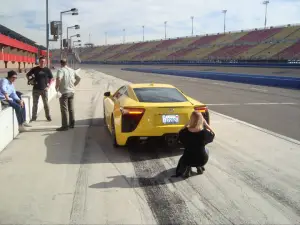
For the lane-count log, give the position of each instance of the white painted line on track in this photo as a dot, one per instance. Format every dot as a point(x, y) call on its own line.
point(259, 89)
point(272, 103)
point(222, 84)
point(253, 103)
point(258, 128)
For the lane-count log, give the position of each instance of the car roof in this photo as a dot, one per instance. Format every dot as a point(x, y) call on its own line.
point(150, 85)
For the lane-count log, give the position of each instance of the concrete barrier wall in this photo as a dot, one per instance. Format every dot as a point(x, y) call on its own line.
point(275, 81)
point(8, 127)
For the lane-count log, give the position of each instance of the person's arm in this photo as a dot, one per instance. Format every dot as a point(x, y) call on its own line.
point(206, 124)
point(58, 79)
point(30, 72)
point(77, 78)
point(4, 89)
point(50, 75)
point(181, 136)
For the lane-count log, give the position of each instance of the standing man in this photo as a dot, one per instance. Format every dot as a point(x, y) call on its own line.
point(66, 80)
point(41, 77)
point(9, 95)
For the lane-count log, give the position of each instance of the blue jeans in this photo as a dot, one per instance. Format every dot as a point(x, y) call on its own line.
point(20, 112)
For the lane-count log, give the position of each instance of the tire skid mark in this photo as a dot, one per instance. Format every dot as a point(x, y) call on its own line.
point(211, 207)
point(167, 207)
point(249, 177)
point(79, 199)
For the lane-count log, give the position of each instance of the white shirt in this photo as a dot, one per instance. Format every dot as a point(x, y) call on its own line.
point(67, 77)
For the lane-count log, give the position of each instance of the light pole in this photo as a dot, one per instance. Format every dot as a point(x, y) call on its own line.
point(165, 29)
point(123, 36)
point(266, 3)
point(76, 41)
point(74, 12)
point(105, 38)
point(224, 11)
point(76, 35)
point(143, 33)
point(47, 32)
point(76, 27)
point(192, 17)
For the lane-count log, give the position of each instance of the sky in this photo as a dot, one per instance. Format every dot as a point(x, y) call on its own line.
point(112, 16)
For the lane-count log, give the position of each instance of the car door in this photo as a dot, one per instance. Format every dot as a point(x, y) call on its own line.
point(112, 105)
point(117, 103)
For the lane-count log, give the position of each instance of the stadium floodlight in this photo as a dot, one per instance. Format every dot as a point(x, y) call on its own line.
point(266, 3)
point(224, 11)
point(124, 36)
point(165, 29)
point(74, 12)
point(76, 27)
point(192, 17)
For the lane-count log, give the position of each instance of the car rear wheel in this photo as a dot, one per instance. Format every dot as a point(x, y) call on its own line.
point(104, 116)
point(113, 132)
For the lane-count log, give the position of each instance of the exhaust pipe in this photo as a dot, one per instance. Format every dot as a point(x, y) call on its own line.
point(171, 140)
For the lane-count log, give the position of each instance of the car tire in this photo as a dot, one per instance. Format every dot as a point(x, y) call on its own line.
point(104, 116)
point(113, 132)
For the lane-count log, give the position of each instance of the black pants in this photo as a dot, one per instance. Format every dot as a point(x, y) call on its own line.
point(67, 105)
point(36, 96)
point(186, 163)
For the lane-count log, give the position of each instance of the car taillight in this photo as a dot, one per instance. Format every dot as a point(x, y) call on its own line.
point(132, 111)
point(204, 111)
point(200, 108)
point(131, 118)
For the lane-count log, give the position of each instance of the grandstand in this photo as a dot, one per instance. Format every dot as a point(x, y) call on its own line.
point(18, 52)
point(273, 43)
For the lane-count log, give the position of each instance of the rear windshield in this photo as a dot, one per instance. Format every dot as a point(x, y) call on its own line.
point(159, 94)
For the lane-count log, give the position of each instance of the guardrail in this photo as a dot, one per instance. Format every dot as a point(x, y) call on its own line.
point(275, 81)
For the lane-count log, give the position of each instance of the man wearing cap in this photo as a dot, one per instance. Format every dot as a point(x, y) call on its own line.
point(41, 82)
point(8, 95)
point(66, 80)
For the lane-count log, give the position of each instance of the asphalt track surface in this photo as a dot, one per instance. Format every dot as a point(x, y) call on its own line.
point(275, 109)
point(77, 177)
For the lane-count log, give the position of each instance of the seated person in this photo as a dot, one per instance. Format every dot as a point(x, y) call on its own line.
point(9, 96)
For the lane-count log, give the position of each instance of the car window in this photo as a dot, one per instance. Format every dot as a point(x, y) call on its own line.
point(120, 92)
point(159, 94)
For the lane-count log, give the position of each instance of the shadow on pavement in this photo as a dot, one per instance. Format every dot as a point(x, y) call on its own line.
point(90, 142)
point(123, 181)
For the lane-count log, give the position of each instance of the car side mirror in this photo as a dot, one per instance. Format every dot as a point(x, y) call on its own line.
point(107, 94)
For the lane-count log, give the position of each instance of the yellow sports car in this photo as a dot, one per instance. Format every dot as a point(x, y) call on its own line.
point(137, 112)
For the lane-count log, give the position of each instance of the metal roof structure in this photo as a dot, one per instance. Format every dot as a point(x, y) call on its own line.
point(12, 34)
